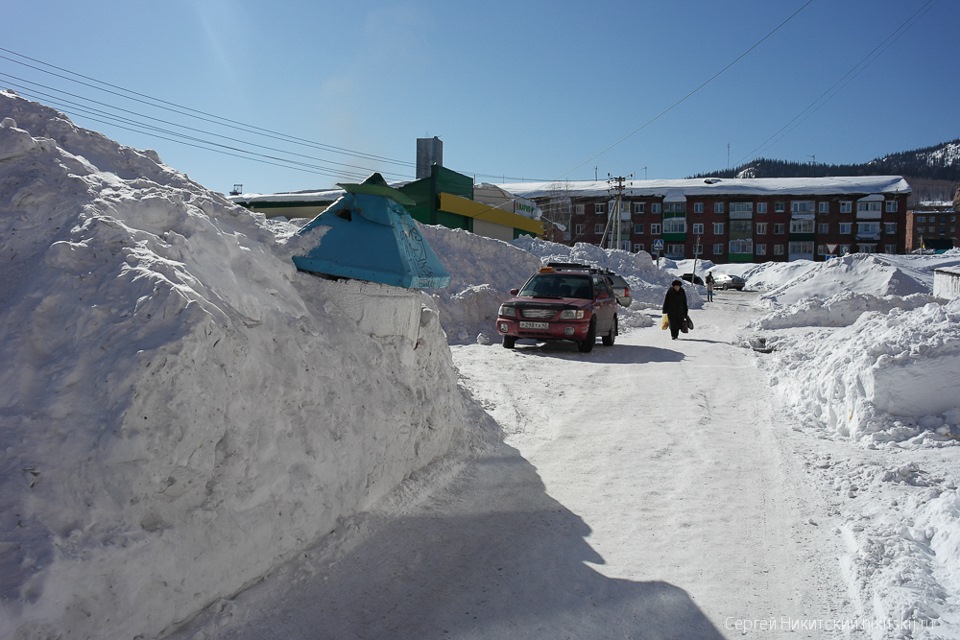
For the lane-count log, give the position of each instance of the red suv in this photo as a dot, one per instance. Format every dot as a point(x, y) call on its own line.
point(560, 305)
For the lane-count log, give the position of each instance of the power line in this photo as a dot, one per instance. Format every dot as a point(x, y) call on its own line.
point(111, 119)
point(186, 111)
point(835, 88)
point(141, 127)
point(696, 90)
point(89, 108)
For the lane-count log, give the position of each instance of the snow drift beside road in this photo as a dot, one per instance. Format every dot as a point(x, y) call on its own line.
point(181, 410)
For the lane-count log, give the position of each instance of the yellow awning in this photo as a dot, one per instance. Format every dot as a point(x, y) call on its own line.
point(472, 209)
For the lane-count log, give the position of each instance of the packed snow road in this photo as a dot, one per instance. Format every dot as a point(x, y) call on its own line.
point(644, 490)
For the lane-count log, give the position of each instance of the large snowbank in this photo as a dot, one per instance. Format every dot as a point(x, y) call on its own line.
point(181, 409)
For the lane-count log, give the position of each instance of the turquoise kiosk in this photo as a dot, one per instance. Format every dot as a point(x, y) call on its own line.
point(372, 237)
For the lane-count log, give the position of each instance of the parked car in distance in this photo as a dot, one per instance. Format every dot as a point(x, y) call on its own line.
point(695, 279)
point(619, 284)
point(621, 288)
point(560, 305)
point(728, 281)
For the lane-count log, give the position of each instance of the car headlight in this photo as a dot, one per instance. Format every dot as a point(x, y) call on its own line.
point(571, 314)
point(509, 312)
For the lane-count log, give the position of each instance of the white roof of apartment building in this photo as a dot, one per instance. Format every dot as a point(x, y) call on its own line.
point(715, 186)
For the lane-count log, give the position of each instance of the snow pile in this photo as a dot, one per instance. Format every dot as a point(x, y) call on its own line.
point(180, 409)
point(886, 367)
point(862, 273)
point(879, 371)
point(840, 310)
point(887, 377)
point(483, 271)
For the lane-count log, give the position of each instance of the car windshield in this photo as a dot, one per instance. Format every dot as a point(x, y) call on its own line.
point(558, 286)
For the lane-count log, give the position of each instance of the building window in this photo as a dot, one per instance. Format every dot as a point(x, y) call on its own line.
point(655, 208)
point(675, 225)
point(778, 249)
point(578, 209)
point(823, 228)
point(846, 228)
point(598, 229)
point(846, 206)
point(801, 226)
point(801, 206)
point(867, 248)
point(600, 208)
point(822, 250)
point(698, 228)
point(578, 229)
point(675, 250)
point(741, 246)
point(891, 206)
point(761, 228)
point(779, 228)
point(802, 248)
point(868, 230)
point(761, 207)
point(741, 207)
point(890, 228)
point(741, 227)
point(718, 228)
point(779, 207)
point(698, 207)
point(823, 207)
point(655, 229)
point(718, 249)
point(638, 228)
point(870, 206)
point(718, 207)
point(890, 248)
point(674, 207)
point(761, 249)
point(637, 247)
point(640, 207)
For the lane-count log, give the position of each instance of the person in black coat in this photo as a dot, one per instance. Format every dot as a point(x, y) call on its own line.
point(675, 307)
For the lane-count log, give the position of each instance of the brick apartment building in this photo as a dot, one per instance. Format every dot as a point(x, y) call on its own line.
point(932, 226)
point(731, 220)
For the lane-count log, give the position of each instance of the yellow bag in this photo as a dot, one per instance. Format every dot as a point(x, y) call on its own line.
point(665, 323)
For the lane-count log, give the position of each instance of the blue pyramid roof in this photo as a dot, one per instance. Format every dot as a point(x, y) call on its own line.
point(371, 236)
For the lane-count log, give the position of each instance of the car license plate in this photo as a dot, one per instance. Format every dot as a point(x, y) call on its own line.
point(534, 325)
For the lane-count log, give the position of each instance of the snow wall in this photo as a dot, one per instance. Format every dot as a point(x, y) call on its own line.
point(180, 409)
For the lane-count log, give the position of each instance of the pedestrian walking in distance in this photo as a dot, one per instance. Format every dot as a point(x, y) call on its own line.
point(709, 282)
point(675, 307)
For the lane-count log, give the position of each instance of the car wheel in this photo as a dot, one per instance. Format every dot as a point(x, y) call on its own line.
point(509, 342)
point(586, 345)
point(611, 337)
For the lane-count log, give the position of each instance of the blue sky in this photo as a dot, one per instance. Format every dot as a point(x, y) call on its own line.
point(331, 91)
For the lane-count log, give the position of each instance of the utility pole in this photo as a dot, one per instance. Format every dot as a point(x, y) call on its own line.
point(696, 255)
point(614, 216)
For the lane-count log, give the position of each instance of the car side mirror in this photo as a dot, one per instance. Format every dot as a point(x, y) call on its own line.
point(514, 292)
